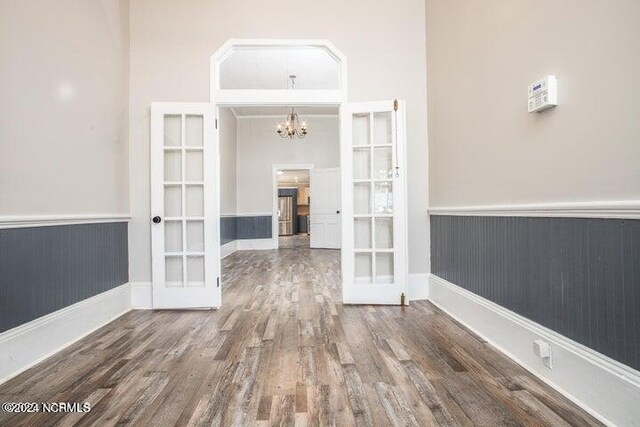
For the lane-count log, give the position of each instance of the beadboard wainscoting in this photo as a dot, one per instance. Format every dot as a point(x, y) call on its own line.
point(245, 232)
point(45, 269)
point(228, 229)
point(574, 282)
point(60, 279)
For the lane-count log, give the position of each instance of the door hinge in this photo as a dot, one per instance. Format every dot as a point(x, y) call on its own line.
point(402, 299)
point(395, 105)
point(216, 123)
point(218, 281)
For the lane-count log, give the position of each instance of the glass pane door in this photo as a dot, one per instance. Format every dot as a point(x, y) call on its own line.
point(373, 197)
point(376, 258)
point(184, 200)
point(184, 240)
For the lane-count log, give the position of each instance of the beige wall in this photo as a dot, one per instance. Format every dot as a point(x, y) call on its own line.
point(63, 107)
point(228, 126)
point(171, 43)
point(259, 148)
point(484, 147)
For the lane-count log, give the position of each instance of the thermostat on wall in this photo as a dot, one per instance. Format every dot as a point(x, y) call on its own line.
point(543, 94)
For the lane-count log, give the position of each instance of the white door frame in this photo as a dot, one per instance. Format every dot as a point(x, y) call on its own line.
point(268, 98)
point(274, 180)
point(233, 98)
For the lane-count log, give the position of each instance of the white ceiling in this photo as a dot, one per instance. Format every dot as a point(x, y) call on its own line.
point(290, 177)
point(283, 111)
point(260, 68)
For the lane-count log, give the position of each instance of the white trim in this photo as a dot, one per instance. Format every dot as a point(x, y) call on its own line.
point(608, 390)
point(228, 249)
point(418, 286)
point(239, 98)
point(26, 345)
point(276, 116)
point(624, 209)
point(274, 195)
point(231, 98)
point(20, 221)
point(254, 244)
point(141, 296)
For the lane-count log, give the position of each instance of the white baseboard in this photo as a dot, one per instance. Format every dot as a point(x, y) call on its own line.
point(418, 286)
point(28, 344)
point(255, 244)
point(608, 390)
point(228, 248)
point(141, 296)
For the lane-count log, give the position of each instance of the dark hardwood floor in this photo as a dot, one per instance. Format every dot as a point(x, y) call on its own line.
point(284, 351)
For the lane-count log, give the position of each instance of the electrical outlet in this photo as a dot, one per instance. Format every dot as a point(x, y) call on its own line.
point(543, 350)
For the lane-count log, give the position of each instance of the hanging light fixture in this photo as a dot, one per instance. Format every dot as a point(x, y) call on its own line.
point(292, 125)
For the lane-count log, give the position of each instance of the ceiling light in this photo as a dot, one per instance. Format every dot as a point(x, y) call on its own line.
point(292, 125)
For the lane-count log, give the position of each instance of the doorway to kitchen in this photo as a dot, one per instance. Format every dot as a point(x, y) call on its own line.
point(293, 206)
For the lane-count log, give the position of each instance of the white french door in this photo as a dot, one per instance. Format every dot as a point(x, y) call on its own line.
point(184, 233)
point(374, 243)
point(325, 208)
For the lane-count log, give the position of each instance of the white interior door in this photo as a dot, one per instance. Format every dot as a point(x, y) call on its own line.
point(374, 252)
point(324, 208)
point(184, 211)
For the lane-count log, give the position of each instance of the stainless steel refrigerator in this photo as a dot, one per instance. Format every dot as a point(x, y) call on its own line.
point(285, 215)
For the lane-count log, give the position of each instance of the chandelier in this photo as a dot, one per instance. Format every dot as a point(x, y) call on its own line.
point(292, 125)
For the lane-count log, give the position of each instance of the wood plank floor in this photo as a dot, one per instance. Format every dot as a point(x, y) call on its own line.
point(297, 241)
point(284, 351)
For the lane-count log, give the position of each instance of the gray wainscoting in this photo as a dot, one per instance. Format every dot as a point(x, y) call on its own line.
point(244, 227)
point(228, 229)
point(578, 277)
point(44, 269)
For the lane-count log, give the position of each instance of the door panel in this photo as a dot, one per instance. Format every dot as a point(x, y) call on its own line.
point(185, 240)
point(325, 208)
point(374, 253)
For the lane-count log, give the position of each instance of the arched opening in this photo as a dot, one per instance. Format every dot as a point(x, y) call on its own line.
point(257, 72)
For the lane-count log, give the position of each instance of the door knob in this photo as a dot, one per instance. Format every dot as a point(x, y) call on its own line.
point(156, 219)
point(337, 212)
